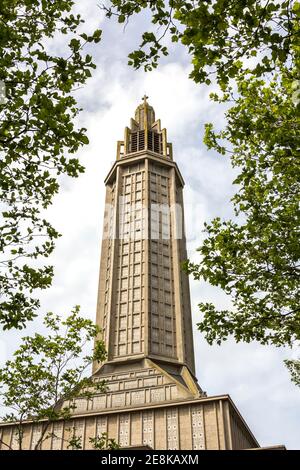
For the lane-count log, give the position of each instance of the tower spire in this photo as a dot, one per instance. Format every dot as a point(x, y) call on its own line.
point(145, 134)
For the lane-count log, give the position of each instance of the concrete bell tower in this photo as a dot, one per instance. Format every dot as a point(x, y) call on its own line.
point(144, 307)
point(153, 399)
point(144, 300)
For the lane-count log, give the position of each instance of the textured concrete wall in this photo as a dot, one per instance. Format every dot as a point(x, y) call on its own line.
point(186, 426)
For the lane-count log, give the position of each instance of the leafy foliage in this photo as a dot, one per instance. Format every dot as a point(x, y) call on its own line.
point(99, 442)
point(103, 442)
point(48, 372)
point(37, 135)
point(293, 366)
point(255, 259)
point(219, 34)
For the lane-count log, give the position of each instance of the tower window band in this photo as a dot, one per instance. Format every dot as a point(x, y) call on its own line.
point(137, 142)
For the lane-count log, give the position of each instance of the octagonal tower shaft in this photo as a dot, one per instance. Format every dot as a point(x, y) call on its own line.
point(143, 304)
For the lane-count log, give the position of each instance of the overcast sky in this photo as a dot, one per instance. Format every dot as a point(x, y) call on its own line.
point(253, 375)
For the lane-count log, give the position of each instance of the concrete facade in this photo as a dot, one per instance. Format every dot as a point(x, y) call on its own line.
point(144, 309)
point(209, 423)
point(144, 312)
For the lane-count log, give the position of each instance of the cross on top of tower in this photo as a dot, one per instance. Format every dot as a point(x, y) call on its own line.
point(145, 97)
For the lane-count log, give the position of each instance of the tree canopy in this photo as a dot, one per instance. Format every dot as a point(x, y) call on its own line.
point(218, 34)
point(38, 136)
point(294, 367)
point(255, 258)
point(48, 373)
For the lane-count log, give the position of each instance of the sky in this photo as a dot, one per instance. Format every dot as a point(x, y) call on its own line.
point(253, 375)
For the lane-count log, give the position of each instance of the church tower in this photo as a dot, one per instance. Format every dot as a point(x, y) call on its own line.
point(144, 310)
point(153, 399)
point(144, 300)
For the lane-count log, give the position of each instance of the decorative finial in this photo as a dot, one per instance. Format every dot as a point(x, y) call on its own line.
point(145, 97)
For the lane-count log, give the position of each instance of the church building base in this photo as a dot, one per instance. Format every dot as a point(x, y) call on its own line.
point(148, 403)
point(211, 423)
